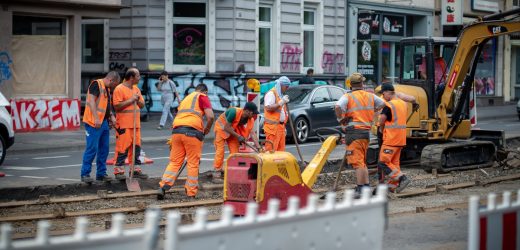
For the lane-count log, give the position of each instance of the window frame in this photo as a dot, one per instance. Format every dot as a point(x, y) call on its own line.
point(97, 67)
point(317, 8)
point(274, 26)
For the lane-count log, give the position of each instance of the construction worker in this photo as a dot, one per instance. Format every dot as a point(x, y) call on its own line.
point(98, 119)
point(355, 110)
point(392, 124)
point(233, 127)
point(276, 115)
point(126, 97)
point(187, 139)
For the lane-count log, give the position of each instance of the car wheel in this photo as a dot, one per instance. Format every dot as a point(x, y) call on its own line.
point(3, 150)
point(302, 129)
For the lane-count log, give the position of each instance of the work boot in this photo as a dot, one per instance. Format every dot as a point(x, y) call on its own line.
point(217, 174)
point(357, 192)
point(105, 178)
point(120, 176)
point(86, 179)
point(139, 174)
point(403, 182)
point(160, 193)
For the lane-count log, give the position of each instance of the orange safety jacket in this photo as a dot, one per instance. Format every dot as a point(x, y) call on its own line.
point(101, 104)
point(189, 113)
point(395, 130)
point(360, 109)
point(243, 130)
point(272, 118)
point(125, 117)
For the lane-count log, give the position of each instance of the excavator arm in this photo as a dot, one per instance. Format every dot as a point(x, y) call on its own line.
point(462, 70)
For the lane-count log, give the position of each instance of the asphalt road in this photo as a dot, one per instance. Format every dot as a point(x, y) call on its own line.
point(64, 167)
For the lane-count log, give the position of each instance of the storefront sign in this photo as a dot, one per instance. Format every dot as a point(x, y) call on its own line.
point(485, 5)
point(45, 115)
point(364, 26)
point(451, 12)
point(393, 25)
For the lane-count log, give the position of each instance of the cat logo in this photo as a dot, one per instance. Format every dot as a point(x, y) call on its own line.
point(494, 29)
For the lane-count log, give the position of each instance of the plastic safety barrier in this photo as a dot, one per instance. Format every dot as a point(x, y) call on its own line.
point(350, 223)
point(496, 226)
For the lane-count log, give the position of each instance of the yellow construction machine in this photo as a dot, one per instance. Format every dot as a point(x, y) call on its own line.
point(440, 132)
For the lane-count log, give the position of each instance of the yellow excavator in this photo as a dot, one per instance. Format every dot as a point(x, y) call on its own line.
point(440, 132)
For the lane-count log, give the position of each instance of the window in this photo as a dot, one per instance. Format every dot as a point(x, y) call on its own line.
point(308, 38)
point(31, 25)
point(264, 36)
point(92, 43)
point(336, 93)
point(516, 3)
point(189, 33)
point(321, 95)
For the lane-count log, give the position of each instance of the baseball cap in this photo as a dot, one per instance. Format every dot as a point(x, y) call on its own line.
point(252, 107)
point(284, 81)
point(386, 87)
point(356, 78)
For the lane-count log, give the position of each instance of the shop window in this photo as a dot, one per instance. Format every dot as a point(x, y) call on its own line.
point(189, 33)
point(308, 38)
point(410, 68)
point(265, 26)
point(368, 61)
point(485, 72)
point(31, 25)
point(92, 43)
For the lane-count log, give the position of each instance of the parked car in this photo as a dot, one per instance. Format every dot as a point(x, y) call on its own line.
point(6, 128)
point(311, 107)
point(518, 109)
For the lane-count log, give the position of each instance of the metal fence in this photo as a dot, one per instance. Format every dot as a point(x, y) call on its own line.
point(349, 223)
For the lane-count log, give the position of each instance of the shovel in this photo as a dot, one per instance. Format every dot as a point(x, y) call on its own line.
point(132, 184)
point(291, 124)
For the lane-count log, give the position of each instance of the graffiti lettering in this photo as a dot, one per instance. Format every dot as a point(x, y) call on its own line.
point(45, 115)
point(117, 66)
point(119, 55)
point(291, 58)
point(5, 66)
point(332, 63)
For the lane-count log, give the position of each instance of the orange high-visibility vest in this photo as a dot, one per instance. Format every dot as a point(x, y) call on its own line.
point(125, 117)
point(101, 104)
point(242, 130)
point(189, 113)
point(272, 118)
point(395, 130)
point(360, 109)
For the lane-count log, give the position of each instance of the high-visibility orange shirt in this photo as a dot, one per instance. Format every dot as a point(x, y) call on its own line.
point(360, 109)
point(241, 129)
point(101, 104)
point(395, 129)
point(125, 117)
point(272, 118)
point(190, 112)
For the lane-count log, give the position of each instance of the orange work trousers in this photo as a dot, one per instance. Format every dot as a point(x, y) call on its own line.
point(357, 153)
point(389, 165)
point(183, 147)
point(123, 150)
point(232, 143)
point(277, 138)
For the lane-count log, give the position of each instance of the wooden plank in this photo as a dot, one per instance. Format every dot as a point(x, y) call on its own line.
point(414, 193)
point(192, 204)
point(27, 217)
point(457, 186)
point(104, 211)
point(500, 179)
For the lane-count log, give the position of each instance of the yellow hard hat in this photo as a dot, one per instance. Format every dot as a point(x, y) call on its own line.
point(253, 84)
point(347, 83)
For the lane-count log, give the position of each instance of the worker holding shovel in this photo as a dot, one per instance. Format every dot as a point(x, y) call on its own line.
point(127, 102)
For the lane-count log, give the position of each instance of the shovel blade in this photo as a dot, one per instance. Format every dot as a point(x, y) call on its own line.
point(133, 185)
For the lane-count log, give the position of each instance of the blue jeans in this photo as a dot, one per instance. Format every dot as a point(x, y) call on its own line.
point(97, 144)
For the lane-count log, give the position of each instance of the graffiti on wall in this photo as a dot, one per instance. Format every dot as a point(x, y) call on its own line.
point(45, 115)
point(117, 59)
point(5, 66)
point(290, 60)
point(333, 63)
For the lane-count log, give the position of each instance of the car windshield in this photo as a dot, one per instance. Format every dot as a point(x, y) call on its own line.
point(298, 95)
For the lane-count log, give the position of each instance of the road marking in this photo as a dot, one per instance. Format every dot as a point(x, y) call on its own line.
point(68, 166)
point(51, 157)
point(34, 177)
point(9, 175)
point(512, 125)
point(65, 179)
point(22, 168)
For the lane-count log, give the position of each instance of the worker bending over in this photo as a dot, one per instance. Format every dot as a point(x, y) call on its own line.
point(187, 140)
point(355, 110)
point(276, 115)
point(233, 127)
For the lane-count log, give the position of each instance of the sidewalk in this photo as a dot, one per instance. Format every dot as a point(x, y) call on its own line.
point(43, 142)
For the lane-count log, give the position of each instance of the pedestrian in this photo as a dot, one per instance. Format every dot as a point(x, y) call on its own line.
point(275, 114)
point(127, 97)
point(392, 124)
point(169, 95)
point(98, 119)
point(187, 140)
point(355, 110)
point(233, 127)
point(308, 79)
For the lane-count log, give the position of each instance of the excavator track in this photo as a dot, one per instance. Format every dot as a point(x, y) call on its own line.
point(458, 156)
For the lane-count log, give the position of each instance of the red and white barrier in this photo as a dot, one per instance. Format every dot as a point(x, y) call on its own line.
point(473, 107)
point(495, 226)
